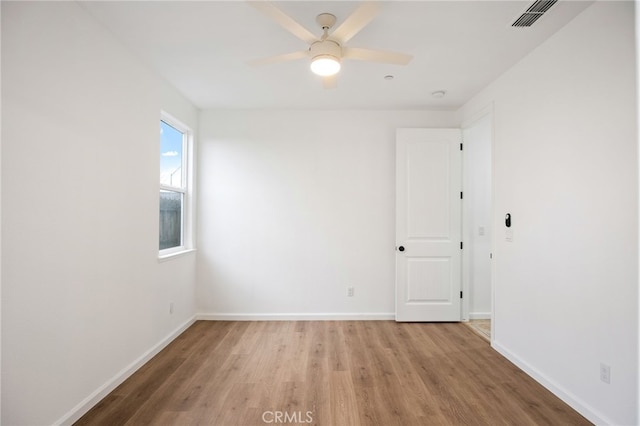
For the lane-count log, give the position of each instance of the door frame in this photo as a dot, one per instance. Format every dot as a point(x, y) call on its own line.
point(487, 111)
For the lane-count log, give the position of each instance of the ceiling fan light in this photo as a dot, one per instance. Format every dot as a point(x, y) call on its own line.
point(325, 65)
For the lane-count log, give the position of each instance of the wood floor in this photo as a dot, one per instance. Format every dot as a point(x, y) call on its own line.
point(339, 373)
point(482, 327)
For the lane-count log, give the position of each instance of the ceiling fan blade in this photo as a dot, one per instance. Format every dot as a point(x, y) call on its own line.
point(382, 56)
point(355, 22)
point(330, 81)
point(279, 58)
point(285, 21)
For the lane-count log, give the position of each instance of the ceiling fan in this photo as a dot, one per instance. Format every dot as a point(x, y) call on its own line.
point(327, 51)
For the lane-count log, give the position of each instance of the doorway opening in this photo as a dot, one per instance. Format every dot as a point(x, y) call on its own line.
point(477, 227)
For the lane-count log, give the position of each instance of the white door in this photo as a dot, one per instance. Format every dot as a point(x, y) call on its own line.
point(428, 224)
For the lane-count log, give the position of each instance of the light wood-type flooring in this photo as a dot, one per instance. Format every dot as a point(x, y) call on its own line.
point(482, 327)
point(338, 373)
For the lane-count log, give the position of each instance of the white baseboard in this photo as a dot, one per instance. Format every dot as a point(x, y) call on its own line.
point(573, 401)
point(88, 403)
point(297, 317)
point(479, 315)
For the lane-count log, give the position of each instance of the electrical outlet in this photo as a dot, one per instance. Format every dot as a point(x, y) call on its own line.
point(605, 373)
point(171, 307)
point(349, 291)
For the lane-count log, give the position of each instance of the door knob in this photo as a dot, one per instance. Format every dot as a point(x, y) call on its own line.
point(401, 248)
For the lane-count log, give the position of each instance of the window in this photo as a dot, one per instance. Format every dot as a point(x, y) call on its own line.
point(174, 186)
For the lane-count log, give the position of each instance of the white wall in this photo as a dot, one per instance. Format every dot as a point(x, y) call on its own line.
point(566, 167)
point(84, 296)
point(477, 226)
point(295, 206)
point(637, 27)
point(0, 227)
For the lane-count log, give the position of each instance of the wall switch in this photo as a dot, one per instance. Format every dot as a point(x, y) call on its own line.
point(605, 373)
point(349, 291)
point(481, 231)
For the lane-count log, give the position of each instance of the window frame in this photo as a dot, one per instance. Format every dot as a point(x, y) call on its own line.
point(186, 189)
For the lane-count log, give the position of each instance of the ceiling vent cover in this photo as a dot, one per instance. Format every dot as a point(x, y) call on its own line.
point(533, 13)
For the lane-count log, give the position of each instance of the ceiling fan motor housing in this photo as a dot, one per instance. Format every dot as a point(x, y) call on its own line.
point(325, 48)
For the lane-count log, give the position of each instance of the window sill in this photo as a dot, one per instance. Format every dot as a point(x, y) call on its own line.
point(169, 256)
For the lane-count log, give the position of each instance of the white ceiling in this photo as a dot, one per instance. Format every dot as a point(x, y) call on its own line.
point(202, 48)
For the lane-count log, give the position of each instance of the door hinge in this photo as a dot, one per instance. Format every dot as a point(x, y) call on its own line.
point(460, 245)
point(461, 197)
point(490, 255)
point(460, 147)
point(460, 294)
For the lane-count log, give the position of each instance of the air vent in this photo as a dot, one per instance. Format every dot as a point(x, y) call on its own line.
point(533, 13)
